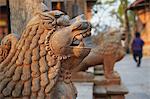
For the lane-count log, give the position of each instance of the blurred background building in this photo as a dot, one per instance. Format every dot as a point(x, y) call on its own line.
point(4, 18)
point(142, 11)
point(71, 7)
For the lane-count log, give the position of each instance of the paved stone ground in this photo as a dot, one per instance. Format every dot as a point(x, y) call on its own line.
point(137, 79)
point(85, 90)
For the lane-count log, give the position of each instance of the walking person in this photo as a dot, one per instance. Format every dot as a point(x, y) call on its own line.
point(137, 48)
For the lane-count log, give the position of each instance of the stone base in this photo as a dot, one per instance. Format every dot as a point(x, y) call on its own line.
point(110, 92)
point(83, 82)
point(103, 88)
point(101, 80)
point(98, 70)
point(82, 77)
point(84, 90)
point(97, 79)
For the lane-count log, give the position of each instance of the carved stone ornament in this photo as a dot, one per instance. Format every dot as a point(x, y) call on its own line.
point(37, 66)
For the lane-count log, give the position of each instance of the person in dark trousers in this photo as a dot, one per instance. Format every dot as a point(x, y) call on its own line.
point(137, 48)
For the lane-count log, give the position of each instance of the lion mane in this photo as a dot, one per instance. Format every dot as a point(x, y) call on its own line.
point(109, 43)
point(30, 69)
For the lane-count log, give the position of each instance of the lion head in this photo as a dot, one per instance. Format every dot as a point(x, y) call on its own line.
point(111, 36)
point(50, 41)
point(111, 41)
point(107, 52)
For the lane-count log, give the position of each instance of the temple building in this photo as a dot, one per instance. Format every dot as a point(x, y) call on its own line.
point(71, 7)
point(4, 19)
point(74, 7)
point(142, 10)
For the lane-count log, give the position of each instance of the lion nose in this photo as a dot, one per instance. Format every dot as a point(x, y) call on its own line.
point(85, 25)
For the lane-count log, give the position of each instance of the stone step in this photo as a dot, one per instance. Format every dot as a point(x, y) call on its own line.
point(98, 67)
point(82, 77)
point(101, 80)
point(84, 89)
point(99, 72)
point(110, 92)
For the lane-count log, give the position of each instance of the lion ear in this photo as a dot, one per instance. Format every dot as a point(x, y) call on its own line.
point(48, 17)
point(48, 21)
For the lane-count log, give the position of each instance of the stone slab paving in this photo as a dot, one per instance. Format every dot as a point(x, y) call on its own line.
point(85, 90)
point(136, 79)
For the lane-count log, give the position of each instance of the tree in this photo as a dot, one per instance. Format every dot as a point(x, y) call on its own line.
point(105, 16)
point(115, 9)
point(113, 13)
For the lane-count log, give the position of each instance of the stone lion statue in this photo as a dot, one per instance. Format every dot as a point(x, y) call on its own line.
point(38, 64)
point(107, 52)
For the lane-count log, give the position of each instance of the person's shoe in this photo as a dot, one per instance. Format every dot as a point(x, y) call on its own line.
point(138, 65)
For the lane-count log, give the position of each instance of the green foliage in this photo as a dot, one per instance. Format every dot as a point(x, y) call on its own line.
point(110, 1)
point(120, 13)
point(120, 10)
point(106, 1)
point(131, 16)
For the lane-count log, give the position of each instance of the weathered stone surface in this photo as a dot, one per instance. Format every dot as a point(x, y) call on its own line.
point(116, 89)
point(18, 89)
point(110, 91)
point(35, 84)
point(82, 77)
point(44, 79)
point(27, 88)
point(84, 89)
point(7, 91)
point(17, 74)
point(98, 70)
point(50, 49)
point(108, 51)
point(41, 59)
point(100, 90)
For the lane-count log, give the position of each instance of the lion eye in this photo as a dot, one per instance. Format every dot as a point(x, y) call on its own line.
point(58, 15)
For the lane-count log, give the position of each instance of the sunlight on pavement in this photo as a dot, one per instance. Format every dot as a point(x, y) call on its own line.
point(136, 79)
